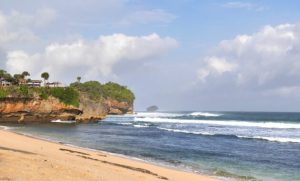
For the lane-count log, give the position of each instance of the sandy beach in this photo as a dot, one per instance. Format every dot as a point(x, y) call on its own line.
point(27, 158)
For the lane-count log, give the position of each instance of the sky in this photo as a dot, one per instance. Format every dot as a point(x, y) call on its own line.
point(208, 55)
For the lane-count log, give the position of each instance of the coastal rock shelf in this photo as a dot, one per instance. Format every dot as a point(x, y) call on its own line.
point(13, 109)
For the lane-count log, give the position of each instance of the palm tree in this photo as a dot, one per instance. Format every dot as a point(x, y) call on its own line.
point(45, 76)
point(25, 74)
point(78, 79)
point(18, 78)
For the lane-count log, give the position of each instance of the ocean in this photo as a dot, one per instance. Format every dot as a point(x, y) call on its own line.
point(228, 145)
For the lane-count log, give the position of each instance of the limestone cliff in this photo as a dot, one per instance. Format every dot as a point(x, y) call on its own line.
point(35, 110)
point(115, 107)
point(40, 110)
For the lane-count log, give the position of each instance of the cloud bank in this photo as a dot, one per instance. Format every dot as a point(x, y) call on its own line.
point(90, 59)
point(268, 60)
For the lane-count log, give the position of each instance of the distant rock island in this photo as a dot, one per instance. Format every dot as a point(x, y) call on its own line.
point(152, 109)
point(26, 100)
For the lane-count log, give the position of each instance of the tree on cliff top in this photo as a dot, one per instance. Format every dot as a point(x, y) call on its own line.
point(6, 76)
point(25, 74)
point(45, 76)
point(78, 79)
point(96, 90)
point(118, 92)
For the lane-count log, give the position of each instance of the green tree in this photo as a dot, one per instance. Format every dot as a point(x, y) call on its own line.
point(2, 73)
point(25, 74)
point(6, 76)
point(45, 76)
point(78, 79)
point(17, 78)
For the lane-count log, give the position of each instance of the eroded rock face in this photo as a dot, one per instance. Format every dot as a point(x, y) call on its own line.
point(35, 110)
point(115, 107)
point(38, 110)
point(93, 110)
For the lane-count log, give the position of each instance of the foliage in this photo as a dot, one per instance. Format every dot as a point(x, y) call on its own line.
point(6, 76)
point(78, 79)
point(67, 95)
point(24, 90)
point(18, 76)
point(3, 93)
point(25, 74)
point(92, 88)
point(45, 75)
point(42, 92)
point(109, 90)
point(118, 92)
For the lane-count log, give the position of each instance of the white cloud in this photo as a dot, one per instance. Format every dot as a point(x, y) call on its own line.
point(243, 5)
point(148, 16)
point(215, 65)
point(90, 59)
point(18, 29)
point(268, 59)
point(285, 91)
point(42, 17)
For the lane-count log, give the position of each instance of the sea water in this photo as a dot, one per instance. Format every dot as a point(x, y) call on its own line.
point(232, 145)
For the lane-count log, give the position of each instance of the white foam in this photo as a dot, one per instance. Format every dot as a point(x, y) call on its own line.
point(141, 126)
point(157, 114)
point(276, 139)
point(185, 131)
point(60, 121)
point(5, 128)
point(275, 125)
point(206, 114)
point(125, 123)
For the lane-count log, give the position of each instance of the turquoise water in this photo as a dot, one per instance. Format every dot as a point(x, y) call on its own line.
point(235, 145)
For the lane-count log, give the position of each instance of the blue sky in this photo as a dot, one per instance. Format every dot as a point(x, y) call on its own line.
point(177, 54)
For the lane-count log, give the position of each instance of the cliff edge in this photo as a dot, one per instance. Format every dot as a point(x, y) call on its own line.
point(80, 102)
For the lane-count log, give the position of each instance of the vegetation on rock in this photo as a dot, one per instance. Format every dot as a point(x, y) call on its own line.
point(68, 95)
point(95, 90)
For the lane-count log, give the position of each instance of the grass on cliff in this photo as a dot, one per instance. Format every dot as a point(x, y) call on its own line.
point(95, 90)
point(15, 91)
point(67, 95)
point(70, 95)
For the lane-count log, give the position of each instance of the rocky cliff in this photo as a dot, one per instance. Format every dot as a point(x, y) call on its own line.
point(115, 107)
point(40, 110)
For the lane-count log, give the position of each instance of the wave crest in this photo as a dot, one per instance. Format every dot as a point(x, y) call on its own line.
point(233, 123)
point(205, 114)
point(273, 139)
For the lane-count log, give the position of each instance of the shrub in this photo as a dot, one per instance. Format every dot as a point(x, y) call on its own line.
point(66, 95)
point(92, 88)
point(118, 92)
point(3, 93)
point(24, 91)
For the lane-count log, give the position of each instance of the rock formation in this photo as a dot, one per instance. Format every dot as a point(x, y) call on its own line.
point(40, 110)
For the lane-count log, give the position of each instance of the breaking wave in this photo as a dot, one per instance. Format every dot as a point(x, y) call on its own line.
point(205, 114)
point(272, 125)
point(63, 122)
point(273, 139)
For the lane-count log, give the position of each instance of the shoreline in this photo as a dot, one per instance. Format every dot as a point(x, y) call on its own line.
point(116, 166)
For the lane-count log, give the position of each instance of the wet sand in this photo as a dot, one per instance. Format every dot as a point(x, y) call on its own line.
point(27, 158)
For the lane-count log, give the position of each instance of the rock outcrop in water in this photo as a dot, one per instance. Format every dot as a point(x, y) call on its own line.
point(152, 108)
